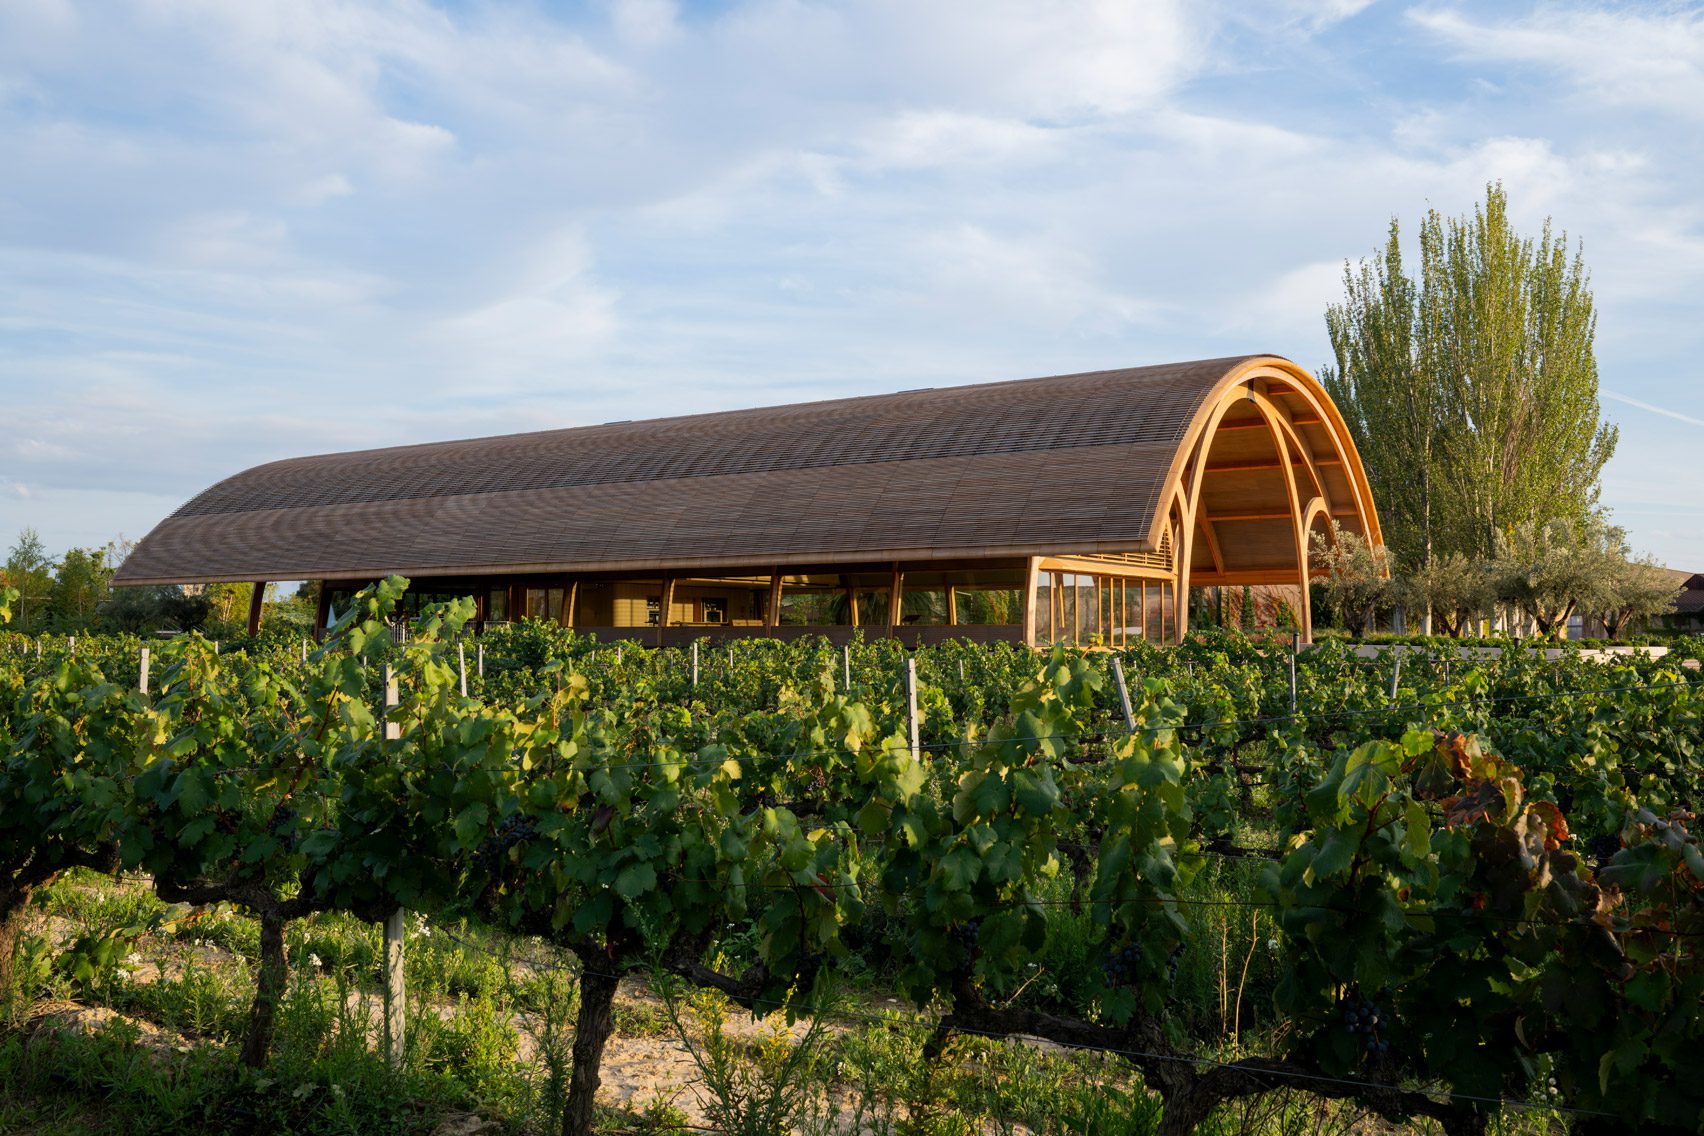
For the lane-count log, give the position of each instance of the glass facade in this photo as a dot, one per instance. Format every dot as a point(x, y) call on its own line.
point(1084, 609)
point(1090, 610)
point(719, 601)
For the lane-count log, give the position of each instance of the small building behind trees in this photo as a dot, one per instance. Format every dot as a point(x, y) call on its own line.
point(1076, 508)
point(1688, 613)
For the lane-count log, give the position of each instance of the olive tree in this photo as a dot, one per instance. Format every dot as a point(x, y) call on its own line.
point(1456, 589)
point(1634, 589)
point(1357, 576)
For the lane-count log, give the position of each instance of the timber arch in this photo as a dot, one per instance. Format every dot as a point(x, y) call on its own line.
point(1076, 508)
point(1267, 461)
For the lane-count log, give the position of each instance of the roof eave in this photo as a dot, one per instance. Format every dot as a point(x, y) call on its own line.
point(650, 567)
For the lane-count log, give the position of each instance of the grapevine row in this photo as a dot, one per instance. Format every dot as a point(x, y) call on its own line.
point(1447, 937)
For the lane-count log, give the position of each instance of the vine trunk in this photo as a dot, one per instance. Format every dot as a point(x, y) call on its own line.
point(591, 1031)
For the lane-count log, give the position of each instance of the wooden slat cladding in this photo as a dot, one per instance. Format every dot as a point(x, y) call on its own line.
point(890, 511)
point(1072, 463)
point(1025, 416)
point(1160, 559)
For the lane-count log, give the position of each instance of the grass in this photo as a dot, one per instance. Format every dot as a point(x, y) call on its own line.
point(490, 1028)
point(982, 1085)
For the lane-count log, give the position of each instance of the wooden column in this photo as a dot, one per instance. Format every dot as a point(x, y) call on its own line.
point(1056, 629)
point(1306, 614)
point(1296, 524)
point(667, 607)
point(569, 601)
point(893, 602)
point(322, 610)
point(1180, 585)
point(952, 605)
point(773, 619)
point(1032, 578)
point(255, 602)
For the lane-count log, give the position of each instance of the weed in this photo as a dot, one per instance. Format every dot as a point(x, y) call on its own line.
point(552, 998)
point(203, 1001)
point(333, 941)
point(757, 1092)
point(641, 1018)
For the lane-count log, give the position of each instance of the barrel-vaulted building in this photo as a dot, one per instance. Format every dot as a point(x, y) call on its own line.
point(1076, 508)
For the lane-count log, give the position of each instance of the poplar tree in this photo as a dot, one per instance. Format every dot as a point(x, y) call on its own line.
point(1470, 390)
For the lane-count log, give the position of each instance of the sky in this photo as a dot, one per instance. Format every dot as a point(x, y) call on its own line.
point(232, 232)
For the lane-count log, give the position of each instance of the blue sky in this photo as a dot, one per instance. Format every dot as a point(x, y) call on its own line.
point(232, 232)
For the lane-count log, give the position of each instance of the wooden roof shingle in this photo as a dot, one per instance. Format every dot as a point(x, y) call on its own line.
point(1061, 464)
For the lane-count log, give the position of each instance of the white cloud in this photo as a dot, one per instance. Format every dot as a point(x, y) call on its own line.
point(645, 23)
point(1287, 308)
point(550, 313)
point(1624, 56)
point(1297, 17)
point(228, 240)
point(1010, 57)
point(1029, 280)
point(319, 190)
point(917, 139)
point(36, 448)
point(228, 232)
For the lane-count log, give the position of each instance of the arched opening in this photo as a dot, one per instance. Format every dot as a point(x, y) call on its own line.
point(1271, 463)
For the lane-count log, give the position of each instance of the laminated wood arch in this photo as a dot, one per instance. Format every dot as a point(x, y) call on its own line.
point(1208, 472)
point(1267, 454)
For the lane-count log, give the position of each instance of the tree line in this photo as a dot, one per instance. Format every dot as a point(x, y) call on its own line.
point(1470, 388)
point(74, 595)
point(1538, 577)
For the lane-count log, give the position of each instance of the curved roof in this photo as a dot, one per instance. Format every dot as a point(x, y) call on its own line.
point(1072, 463)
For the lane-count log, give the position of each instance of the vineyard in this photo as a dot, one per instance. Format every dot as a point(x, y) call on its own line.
point(1457, 892)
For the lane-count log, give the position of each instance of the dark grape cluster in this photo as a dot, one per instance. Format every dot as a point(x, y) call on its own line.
point(1123, 965)
point(1365, 1020)
point(282, 826)
point(493, 851)
point(1603, 850)
point(966, 935)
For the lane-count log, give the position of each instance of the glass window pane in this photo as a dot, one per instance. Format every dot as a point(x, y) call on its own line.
point(922, 607)
point(872, 607)
point(618, 603)
point(814, 601)
point(719, 601)
point(1004, 606)
point(544, 603)
point(1088, 609)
